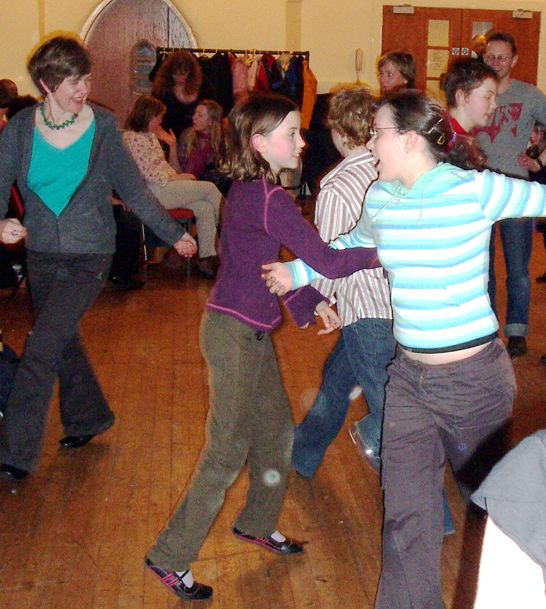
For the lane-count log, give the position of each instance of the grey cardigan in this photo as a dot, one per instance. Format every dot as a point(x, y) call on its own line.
point(86, 225)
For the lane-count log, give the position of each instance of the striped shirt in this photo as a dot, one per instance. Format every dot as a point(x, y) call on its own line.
point(434, 241)
point(363, 294)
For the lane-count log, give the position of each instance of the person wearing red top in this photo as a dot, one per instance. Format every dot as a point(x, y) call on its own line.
point(470, 87)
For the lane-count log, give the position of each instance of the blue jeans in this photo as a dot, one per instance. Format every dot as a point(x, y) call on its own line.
point(516, 236)
point(360, 357)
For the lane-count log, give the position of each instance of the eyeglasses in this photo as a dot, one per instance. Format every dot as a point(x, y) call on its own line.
point(490, 58)
point(375, 131)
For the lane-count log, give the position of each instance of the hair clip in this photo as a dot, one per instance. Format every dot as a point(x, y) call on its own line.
point(435, 125)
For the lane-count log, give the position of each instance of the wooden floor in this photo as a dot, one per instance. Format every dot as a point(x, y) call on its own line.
point(73, 535)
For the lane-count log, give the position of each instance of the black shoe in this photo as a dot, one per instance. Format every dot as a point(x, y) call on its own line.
point(197, 592)
point(75, 441)
point(541, 278)
point(10, 472)
point(126, 283)
point(286, 547)
point(517, 346)
point(208, 266)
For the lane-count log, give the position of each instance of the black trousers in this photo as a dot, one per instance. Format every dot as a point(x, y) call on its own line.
point(125, 264)
point(63, 287)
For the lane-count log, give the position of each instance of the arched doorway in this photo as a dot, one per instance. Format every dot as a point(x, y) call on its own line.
point(121, 35)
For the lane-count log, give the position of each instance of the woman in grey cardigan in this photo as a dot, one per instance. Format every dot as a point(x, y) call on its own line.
point(66, 157)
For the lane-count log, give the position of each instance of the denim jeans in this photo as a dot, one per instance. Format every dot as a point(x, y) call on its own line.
point(360, 357)
point(516, 237)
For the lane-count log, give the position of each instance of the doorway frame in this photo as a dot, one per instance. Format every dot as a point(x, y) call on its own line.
point(105, 3)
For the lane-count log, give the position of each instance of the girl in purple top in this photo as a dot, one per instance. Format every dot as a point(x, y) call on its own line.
point(249, 418)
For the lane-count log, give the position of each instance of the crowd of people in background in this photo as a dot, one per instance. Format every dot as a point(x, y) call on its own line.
point(405, 249)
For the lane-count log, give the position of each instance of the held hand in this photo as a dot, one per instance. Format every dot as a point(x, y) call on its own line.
point(186, 246)
point(277, 278)
point(528, 163)
point(12, 231)
point(329, 318)
point(166, 136)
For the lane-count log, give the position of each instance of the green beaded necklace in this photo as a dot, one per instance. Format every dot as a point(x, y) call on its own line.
point(52, 125)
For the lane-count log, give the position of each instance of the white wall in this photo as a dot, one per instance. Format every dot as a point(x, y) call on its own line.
point(330, 29)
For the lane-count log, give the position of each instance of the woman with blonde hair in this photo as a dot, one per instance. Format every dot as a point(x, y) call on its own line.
point(396, 70)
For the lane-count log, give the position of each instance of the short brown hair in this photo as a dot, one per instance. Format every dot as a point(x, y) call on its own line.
point(502, 37)
point(465, 75)
point(179, 61)
point(404, 62)
point(258, 114)
point(56, 59)
point(350, 113)
point(8, 92)
point(144, 109)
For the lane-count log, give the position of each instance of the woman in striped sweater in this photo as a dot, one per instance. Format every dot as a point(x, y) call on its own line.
point(451, 384)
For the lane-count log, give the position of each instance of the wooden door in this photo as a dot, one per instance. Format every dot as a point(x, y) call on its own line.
point(429, 34)
point(436, 36)
point(525, 29)
point(122, 36)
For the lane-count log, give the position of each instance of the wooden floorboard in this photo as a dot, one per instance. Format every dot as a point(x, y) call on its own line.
point(75, 532)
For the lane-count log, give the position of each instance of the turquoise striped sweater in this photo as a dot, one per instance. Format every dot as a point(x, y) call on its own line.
point(433, 240)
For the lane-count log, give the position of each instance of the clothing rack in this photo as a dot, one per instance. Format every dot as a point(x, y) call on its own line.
point(167, 50)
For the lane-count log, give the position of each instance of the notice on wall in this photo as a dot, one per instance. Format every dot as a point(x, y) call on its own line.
point(437, 60)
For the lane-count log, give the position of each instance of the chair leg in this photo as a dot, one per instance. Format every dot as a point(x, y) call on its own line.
point(187, 227)
point(144, 254)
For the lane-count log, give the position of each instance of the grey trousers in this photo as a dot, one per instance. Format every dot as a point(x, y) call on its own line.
point(249, 421)
point(204, 199)
point(62, 288)
point(433, 412)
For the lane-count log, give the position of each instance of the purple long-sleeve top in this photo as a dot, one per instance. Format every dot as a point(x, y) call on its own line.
point(258, 218)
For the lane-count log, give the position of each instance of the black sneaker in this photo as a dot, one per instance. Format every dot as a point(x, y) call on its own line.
point(286, 547)
point(197, 592)
point(10, 472)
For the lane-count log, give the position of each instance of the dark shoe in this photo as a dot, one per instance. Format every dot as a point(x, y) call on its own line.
point(541, 278)
point(517, 346)
point(126, 283)
point(286, 547)
point(197, 592)
point(366, 451)
point(10, 472)
point(75, 441)
point(543, 360)
point(208, 266)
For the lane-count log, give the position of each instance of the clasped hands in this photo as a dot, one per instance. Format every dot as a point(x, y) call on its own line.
point(186, 246)
point(279, 281)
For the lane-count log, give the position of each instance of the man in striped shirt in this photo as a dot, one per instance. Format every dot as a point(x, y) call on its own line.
point(366, 345)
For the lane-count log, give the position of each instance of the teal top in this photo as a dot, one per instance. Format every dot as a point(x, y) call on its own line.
point(55, 173)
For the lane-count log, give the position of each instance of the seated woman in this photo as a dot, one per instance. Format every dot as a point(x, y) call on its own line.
point(173, 188)
point(199, 146)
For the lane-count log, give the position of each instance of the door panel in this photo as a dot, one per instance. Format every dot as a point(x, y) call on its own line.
point(433, 35)
point(526, 33)
point(117, 38)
